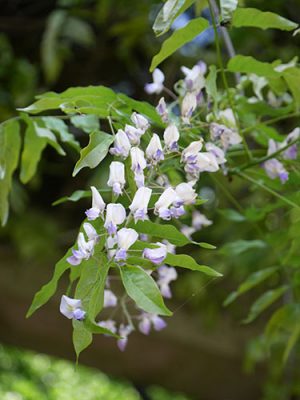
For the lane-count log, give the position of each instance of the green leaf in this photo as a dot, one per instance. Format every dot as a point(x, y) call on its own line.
point(240, 246)
point(165, 231)
point(82, 337)
point(97, 99)
point(90, 290)
point(143, 290)
point(178, 39)
point(10, 144)
point(249, 65)
point(95, 152)
point(185, 261)
point(168, 13)
point(31, 154)
point(252, 281)
point(251, 17)
point(227, 8)
point(88, 123)
point(51, 52)
point(292, 78)
point(264, 301)
point(78, 31)
point(49, 137)
point(232, 215)
point(294, 337)
point(61, 128)
point(141, 107)
point(211, 83)
point(75, 196)
point(48, 290)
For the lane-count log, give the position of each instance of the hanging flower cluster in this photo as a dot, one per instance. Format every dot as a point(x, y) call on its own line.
point(143, 190)
point(137, 174)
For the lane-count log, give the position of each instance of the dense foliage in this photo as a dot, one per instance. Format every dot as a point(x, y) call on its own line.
point(232, 128)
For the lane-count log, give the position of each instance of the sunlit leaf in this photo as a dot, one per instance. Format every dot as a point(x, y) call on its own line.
point(185, 261)
point(264, 301)
point(10, 144)
point(143, 290)
point(95, 152)
point(178, 39)
point(252, 281)
point(168, 13)
point(250, 65)
point(227, 8)
point(251, 17)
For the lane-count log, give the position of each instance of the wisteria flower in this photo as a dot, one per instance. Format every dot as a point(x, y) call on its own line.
point(134, 134)
point(154, 151)
point(108, 324)
point(171, 137)
point(189, 154)
point(71, 308)
point(148, 320)
point(157, 86)
point(110, 299)
point(157, 255)
point(166, 199)
point(273, 167)
point(199, 220)
point(138, 164)
point(162, 110)
point(98, 205)
point(85, 249)
point(122, 145)
point(116, 177)
point(126, 237)
point(185, 194)
point(166, 275)
point(194, 77)
point(140, 121)
point(139, 205)
point(217, 152)
point(124, 332)
point(115, 215)
point(188, 106)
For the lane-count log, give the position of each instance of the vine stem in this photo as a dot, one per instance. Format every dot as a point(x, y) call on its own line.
point(272, 121)
point(224, 79)
point(263, 159)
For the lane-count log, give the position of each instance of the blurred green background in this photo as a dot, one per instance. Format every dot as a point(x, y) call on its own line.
point(205, 352)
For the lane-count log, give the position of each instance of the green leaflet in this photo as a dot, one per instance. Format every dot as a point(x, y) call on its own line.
point(252, 281)
point(90, 290)
point(185, 261)
point(166, 231)
point(61, 128)
point(94, 152)
point(227, 8)
point(168, 13)
point(178, 39)
point(32, 151)
point(239, 246)
point(48, 290)
point(264, 301)
point(211, 83)
point(49, 136)
point(75, 196)
point(249, 65)
point(292, 78)
point(232, 215)
point(10, 144)
point(88, 123)
point(284, 326)
point(143, 290)
point(251, 17)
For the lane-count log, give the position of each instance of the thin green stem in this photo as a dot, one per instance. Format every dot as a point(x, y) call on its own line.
point(267, 189)
point(272, 121)
point(263, 159)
